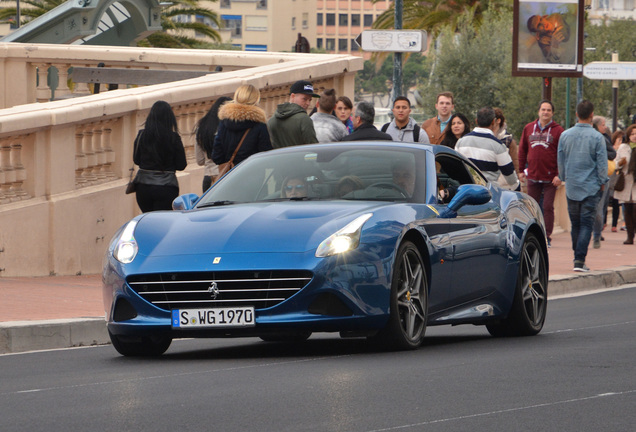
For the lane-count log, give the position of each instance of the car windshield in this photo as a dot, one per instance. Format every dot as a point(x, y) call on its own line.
point(324, 172)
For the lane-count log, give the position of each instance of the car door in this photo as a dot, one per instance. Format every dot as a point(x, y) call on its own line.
point(478, 243)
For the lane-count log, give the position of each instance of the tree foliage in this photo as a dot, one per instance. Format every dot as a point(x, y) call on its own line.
point(475, 64)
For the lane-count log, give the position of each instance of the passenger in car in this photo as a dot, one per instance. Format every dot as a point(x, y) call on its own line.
point(294, 187)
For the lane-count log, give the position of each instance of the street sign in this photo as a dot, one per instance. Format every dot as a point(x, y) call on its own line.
point(610, 70)
point(392, 40)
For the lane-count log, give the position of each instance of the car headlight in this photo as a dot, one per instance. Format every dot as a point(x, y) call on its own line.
point(126, 247)
point(345, 239)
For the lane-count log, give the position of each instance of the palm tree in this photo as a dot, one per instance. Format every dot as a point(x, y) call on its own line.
point(34, 9)
point(433, 15)
point(175, 34)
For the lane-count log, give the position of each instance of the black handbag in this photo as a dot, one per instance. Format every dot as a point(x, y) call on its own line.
point(620, 181)
point(131, 187)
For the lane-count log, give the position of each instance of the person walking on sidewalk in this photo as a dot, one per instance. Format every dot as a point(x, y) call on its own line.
point(582, 161)
point(626, 160)
point(538, 150)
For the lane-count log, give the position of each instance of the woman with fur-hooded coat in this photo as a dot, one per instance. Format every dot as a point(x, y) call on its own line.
point(236, 117)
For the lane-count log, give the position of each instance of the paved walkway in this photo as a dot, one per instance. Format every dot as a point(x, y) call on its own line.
point(61, 311)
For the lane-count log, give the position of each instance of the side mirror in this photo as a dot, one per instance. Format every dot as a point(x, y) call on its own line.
point(185, 202)
point(469, 194)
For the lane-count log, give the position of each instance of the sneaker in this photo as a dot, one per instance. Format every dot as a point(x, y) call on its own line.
point(614, 229)
point(623, 228)
point(581, 267)
point(597, 243)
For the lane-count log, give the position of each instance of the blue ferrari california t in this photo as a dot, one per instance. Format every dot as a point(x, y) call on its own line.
point(368, 239)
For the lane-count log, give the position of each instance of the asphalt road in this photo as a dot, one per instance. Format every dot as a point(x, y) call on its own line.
point(579, 374)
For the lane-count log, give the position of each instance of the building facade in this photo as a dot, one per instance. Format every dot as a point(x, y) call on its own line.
point(339, 22)
point(601, 10)
point(265, 25)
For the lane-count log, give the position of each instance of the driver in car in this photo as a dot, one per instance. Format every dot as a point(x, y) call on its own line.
point(404, 176)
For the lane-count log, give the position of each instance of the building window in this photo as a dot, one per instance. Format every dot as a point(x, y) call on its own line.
point(262, 4)
point(331, 19)
point(319, 19)
point(319, 43)
point(305, 20)
point(330, 44)
point(368, 20)
point(255, 23)
point(233, 23)
point(342, 44)
point(343, 20)
point(293, 23)
point(226, 3)
point(355, 20)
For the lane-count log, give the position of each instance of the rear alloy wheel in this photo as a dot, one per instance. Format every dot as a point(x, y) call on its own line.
point(529, 306)
point(409, 301)
point(142, 346)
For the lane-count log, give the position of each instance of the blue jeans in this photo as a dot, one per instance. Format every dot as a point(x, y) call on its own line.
point(601, 213)
point(582, 214)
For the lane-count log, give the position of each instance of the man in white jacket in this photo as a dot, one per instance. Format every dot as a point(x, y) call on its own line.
point(403, 127)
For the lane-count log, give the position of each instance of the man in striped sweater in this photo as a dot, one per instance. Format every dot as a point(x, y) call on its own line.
point(488, 153)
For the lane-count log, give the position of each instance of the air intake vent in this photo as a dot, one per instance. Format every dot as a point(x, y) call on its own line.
point(261, 289)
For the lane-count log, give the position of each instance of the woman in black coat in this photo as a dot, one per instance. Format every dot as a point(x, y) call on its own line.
point(159, 152)
point(237, 117)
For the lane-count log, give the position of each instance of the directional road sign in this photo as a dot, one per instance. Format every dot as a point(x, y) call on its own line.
point(610, 70)
point(392, 40)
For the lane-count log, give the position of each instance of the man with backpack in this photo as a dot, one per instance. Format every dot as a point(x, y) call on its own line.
point(403, 127)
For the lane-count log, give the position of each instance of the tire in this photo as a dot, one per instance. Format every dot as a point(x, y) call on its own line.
point(286, 337)
point(409, 301)
point(144, 346)
point(528, 310)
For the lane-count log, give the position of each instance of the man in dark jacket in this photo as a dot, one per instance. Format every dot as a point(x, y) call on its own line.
point(290, 125)
point(363, 129)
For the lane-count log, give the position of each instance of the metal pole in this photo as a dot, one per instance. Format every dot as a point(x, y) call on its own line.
point(17, 8)
point(614, 97)
point(567, 103)
point(397, 56)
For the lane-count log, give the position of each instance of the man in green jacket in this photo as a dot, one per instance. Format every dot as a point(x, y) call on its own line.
point(290, 125)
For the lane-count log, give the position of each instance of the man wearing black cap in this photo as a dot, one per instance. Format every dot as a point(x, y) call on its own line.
point(290, 125)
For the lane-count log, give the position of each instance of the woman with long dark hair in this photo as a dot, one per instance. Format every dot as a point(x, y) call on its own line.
point(159, 153)
point(205, 131)
point(458, 126)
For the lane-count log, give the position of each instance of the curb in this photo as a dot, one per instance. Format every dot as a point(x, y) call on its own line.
point(22, 336)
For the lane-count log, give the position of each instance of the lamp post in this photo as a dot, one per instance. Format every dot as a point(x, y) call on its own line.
point(397, 56)
point(17, 13)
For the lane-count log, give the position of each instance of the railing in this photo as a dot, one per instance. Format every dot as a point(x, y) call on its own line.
point(64, 163)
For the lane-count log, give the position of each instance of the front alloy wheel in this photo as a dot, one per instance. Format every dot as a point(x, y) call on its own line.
point(409, 301)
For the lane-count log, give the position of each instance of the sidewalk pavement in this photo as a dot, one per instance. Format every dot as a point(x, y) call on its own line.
point(64, 311)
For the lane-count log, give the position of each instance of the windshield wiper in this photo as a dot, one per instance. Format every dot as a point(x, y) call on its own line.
point(217, 203)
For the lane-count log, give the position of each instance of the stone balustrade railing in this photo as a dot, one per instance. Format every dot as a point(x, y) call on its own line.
point(64, 164)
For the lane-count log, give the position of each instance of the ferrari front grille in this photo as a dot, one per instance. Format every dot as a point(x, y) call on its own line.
point(195, 290)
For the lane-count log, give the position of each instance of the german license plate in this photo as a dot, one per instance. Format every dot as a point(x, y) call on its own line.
point(217, 317)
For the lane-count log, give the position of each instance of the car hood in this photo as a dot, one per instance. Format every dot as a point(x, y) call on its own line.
point(247, 228)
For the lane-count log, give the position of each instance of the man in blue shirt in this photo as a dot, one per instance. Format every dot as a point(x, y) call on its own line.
point(582, 160)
